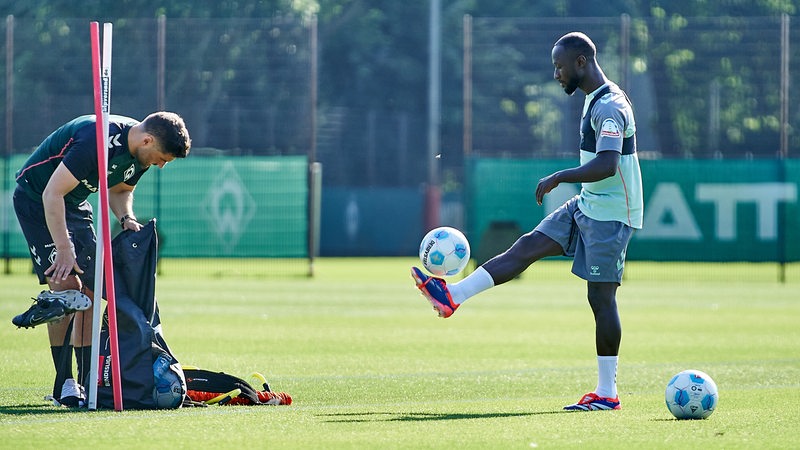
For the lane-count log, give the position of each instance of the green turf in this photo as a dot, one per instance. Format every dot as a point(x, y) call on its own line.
point(369, 365)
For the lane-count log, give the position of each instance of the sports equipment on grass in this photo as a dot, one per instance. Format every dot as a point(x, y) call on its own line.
point(444, 251)
point(101, 83)
point(593, 402)
point(691, 394)
point(169, 389)
point(206, 387)
point(50, 306)
point(435, 290)
point(73, 394)
point(141, 338)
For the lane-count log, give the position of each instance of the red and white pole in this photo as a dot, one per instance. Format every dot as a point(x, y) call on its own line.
point(104, 267)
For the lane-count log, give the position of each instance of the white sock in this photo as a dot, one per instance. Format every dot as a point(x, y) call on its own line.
point(607, 376)
point(475, 283)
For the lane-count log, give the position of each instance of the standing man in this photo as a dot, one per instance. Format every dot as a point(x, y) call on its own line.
point(56, 219)
point(594, 227)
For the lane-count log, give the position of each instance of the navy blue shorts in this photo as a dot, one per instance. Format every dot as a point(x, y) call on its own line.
point(30, 214)
point(598, 248)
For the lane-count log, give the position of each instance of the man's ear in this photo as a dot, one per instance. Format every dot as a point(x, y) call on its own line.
point(147, 138)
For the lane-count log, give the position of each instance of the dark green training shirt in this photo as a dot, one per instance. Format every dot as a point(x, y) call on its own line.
point(74, 144)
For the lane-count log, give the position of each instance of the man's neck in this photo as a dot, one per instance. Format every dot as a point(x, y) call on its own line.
point(594, 79)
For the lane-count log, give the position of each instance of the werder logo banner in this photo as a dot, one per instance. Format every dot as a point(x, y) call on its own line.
point(228, 206)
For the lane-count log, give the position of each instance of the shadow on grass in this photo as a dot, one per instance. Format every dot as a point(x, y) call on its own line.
point(47, 408)
point(424, 417)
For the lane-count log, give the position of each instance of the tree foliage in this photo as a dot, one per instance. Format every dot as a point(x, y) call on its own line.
point(373, 58)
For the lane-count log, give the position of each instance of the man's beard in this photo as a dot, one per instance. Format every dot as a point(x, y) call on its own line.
point(571, 87)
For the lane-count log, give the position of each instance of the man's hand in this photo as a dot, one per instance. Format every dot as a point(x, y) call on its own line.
point(603, 165)
point(63, 264)
point(130, 223)
point(546, 185)
point(61, 182)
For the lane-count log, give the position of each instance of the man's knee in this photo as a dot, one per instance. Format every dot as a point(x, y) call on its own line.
point(602, 295)
point(72, 282)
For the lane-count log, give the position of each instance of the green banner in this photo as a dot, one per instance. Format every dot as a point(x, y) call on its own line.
point(694, 210)
point(215, 207)
point(13, 242)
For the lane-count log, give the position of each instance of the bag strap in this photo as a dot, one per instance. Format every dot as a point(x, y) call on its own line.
point(217, 382)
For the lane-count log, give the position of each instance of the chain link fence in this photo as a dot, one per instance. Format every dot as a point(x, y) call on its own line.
point(701, 87)
point(243, 85)
point(244, 88)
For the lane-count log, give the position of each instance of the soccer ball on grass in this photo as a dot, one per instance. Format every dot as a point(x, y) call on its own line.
point(691, 394)
point(169, 382)
point(444, 251)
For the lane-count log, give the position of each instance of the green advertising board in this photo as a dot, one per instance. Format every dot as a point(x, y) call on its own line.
point(212, 207)
point(694, 210)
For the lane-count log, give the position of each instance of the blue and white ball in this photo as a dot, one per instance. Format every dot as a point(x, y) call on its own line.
point(444, 251)
point(691, 394)
point(169, 387)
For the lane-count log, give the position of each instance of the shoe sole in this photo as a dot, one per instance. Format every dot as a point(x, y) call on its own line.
point(437, 305)
point(72, 402)
point(592, 407)
point(71, 299)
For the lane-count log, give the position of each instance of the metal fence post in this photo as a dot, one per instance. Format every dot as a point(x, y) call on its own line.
point(9, 137)
point(783, 152)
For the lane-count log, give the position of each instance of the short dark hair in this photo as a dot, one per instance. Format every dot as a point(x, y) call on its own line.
point(578, 44)
point(170, 131)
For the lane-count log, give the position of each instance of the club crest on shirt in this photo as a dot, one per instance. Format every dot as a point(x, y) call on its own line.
point(610, 129)
point(129, 172)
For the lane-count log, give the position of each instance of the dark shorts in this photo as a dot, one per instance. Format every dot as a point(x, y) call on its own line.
point(598, 247)
point(30, 214)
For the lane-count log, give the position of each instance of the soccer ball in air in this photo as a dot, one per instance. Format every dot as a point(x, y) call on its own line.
point(691, 394)
point(444, 251)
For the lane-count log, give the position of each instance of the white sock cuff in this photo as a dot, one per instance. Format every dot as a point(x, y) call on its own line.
point(487, 279)
point(475, 283)
point(607, 376)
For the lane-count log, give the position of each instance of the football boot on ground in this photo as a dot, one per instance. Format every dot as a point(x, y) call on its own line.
point(274, 398)
point(435, 290)
point(593, 402)
point(72, 394)
point(50, 306)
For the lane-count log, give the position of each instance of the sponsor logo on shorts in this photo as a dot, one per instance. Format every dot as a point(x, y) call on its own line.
point(36, 257)
point(594, 270)
point(52, 257)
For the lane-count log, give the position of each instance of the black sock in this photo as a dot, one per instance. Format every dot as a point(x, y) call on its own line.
point(83, 355)
point(62, 373)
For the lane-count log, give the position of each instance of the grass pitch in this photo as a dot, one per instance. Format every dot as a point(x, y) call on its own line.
point(369, 364)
